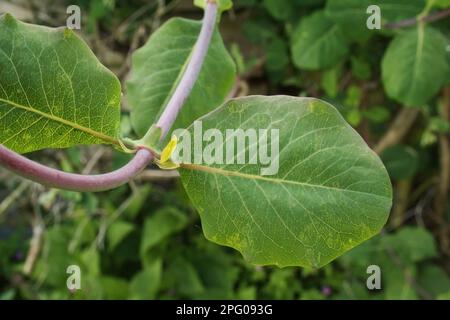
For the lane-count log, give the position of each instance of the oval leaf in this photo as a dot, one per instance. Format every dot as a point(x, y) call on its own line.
point(318, 43)
point(159, 65)
point(331, 191)
point(415, 66)
point(54, 93)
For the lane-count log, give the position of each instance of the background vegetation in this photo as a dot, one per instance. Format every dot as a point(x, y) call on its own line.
point(144, 240)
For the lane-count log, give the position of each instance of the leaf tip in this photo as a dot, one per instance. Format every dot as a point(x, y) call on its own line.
point(67, 33)
point(9, 19)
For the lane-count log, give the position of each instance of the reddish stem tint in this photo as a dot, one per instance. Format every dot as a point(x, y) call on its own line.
point(78, 182)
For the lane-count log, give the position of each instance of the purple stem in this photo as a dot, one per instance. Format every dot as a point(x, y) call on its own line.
point(77, 182)
point(69, 181)
point(189, 78)
point(412, 21)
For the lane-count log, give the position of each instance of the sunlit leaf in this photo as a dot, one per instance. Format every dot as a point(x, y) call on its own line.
point(54, 93)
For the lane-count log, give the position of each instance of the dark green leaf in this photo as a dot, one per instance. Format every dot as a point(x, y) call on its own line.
point(145, 284)
point(318, 43)
point(160, 225)
point(401, 162)
point(117, 232)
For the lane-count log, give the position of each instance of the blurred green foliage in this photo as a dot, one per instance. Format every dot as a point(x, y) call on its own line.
point(144, 240)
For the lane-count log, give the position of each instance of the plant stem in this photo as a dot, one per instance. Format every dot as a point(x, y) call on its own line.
point(413, 21)
point(190, 76)
point(93, 183)
point(399, 128)
point(69, 181)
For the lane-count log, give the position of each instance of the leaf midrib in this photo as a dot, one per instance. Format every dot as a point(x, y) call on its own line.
point(74, 125)
point(322, 37)
point(419, 49)
point(223, 172)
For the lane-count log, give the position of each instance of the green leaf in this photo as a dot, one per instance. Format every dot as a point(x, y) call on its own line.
point(183, 277)
point(52, 266)
point(447, 80)
point(439, 125)
point(91, 260)
point(440, 3)
point(160, 225)
point(158, 67)
point(434, 279)
point(217, 270)
point(401, 162)
point(114, 288)
point(414, 67)
point(277, 55)
point(8, 294)
point(377, 114)
point(260, 31)
point(444, 296)
point(280, 10)
point(412, 244)
point(361, 68)
point(310, 3)
point(352, 14)
point(54, 93)
point(117, 232)
point(330, 81)
point(331, 191)
point(397, 255)
point(145, 284)
point(137, 201)
point(318, 43)
point(223, 5)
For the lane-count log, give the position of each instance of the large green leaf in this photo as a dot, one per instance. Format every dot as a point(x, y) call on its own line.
point(318, 43)
point(159, 65)
point(331, 191)
point(415, 66)
point(54, 93)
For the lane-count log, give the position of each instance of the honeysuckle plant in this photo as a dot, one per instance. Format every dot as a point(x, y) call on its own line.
point(331, 191)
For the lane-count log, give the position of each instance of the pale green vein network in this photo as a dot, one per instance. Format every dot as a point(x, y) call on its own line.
point(330, 194)
point(54, 93)
point(60, 120)
point(227, 173)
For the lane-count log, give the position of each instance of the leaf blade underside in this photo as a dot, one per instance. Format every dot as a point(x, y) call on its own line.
point(331, 191)
point(159, 65)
